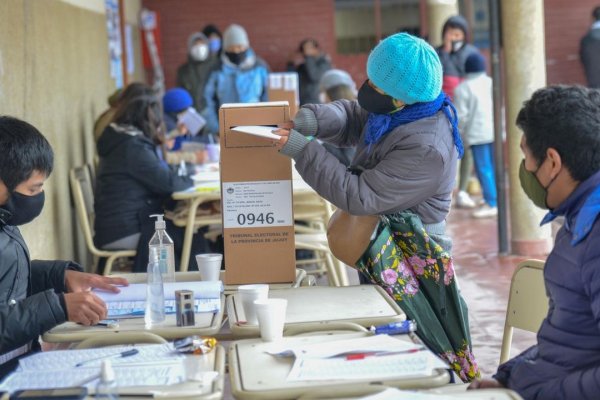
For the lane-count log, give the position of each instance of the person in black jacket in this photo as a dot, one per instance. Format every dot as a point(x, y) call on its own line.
point(35, 296)
point(133, 180)
point(310, 63)
point(589, 51)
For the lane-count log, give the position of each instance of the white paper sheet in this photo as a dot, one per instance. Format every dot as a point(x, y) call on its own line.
point(193, 121)
point(382, 357)
point(137, 291)
point(396, 394)
point(257, 130)
point(207, 176)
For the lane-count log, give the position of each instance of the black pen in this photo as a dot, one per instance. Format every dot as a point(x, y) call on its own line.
point(127, 353)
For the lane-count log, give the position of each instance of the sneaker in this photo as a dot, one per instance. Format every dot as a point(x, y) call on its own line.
point(463, 200)
point(486, 212)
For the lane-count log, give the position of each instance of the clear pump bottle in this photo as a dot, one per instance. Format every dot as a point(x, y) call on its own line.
point(155, 296)
point(162, 249)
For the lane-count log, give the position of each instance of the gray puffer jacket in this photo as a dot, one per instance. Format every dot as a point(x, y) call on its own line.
point(411, 168)
point(30, 292)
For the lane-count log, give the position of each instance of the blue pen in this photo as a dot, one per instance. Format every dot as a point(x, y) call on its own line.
point(127, 353)
point(395, 328)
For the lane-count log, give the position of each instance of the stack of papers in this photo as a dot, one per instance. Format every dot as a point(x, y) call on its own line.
point(131, 301)
point(373, 357)
point(153, 365)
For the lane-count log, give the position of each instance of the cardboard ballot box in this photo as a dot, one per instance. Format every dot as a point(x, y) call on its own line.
point(283, 86)
point(256, 197)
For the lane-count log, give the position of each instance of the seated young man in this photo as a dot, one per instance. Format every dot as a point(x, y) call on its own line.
point(35, 296)
point(561, 172)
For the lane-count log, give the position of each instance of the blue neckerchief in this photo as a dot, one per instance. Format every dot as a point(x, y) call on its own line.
point(378, 125)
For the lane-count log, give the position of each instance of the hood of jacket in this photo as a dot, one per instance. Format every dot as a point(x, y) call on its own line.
point(457, 21)
point(115, 135)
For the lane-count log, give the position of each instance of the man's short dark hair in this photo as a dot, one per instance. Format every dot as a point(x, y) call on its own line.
point(567, 119)
point(596, 13)
point(23, 149)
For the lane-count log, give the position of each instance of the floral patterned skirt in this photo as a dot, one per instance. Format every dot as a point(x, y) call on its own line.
point(418, 274)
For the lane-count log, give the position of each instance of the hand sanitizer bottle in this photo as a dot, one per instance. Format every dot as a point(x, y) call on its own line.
point(162, 249)
point(155, 296)
point(106, 388)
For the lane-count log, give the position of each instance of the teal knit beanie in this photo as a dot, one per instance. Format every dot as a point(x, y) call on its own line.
point(406, 68)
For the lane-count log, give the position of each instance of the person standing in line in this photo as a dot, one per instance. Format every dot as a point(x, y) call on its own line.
point(193, 75)
point(589, 52)
point(453, 54)
point(242, 77)
point(474, 106)
point(310, 63)
point(215, 39)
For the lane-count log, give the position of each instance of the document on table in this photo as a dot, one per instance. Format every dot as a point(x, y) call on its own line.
point(153, 365)
point(258, 130)
point(397, 394)
point(131, 301)
point(374, 357)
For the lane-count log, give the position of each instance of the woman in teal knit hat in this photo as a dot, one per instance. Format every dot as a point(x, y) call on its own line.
point(405, 131)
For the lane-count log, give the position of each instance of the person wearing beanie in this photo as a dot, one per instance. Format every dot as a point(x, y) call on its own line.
point(214, 39)
point(407, 147)
point(177, 102)
point(241, 78)
point(310, 63)
point(193, 74)
point(474, 105)
point(337, 84)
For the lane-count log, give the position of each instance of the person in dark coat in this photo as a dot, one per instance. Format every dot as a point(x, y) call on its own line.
point(561, 173)
point(134, 182)
point(310, 63)
point(193, 75)
point(36, 295)
point(590, 51)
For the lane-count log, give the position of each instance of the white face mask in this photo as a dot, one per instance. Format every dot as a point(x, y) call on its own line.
point(457, 44)
point(199, 52)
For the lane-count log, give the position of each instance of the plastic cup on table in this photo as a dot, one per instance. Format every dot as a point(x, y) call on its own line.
point(271, 318)
point(250, 293)
point(214, 152)
point(209, 266)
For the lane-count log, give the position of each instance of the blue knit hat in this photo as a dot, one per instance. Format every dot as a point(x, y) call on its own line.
point(176, 100)
point(406, 68)
point(475, 63)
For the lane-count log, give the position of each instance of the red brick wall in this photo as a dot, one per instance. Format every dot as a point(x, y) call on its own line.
point(566, 22)
point(275, 27)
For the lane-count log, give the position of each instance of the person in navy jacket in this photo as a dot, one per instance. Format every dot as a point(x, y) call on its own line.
point(561, 173)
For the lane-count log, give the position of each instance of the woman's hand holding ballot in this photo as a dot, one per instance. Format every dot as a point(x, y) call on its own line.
point(284, 132)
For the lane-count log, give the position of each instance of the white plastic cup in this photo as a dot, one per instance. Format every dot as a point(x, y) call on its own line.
point(250, 293)
point(214, 152)
point(271, 318)
point(209, 266)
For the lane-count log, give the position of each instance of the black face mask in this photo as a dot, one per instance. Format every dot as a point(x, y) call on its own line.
point(375, 102)
point(237, 58)
point(23, 209)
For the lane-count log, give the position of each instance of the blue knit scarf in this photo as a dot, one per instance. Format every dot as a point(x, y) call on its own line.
point(378, 125)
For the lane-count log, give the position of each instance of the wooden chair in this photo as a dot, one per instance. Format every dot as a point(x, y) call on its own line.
point(83, 196)
point(527, 302)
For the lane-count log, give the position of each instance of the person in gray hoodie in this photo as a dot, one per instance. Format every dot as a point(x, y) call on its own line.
point(193, 75)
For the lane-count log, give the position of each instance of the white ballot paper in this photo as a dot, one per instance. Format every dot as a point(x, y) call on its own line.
point(153, 365)
point(257, 130)
point(373, 357)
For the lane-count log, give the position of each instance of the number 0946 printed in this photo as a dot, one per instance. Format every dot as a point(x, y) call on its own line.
point(257, 204)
